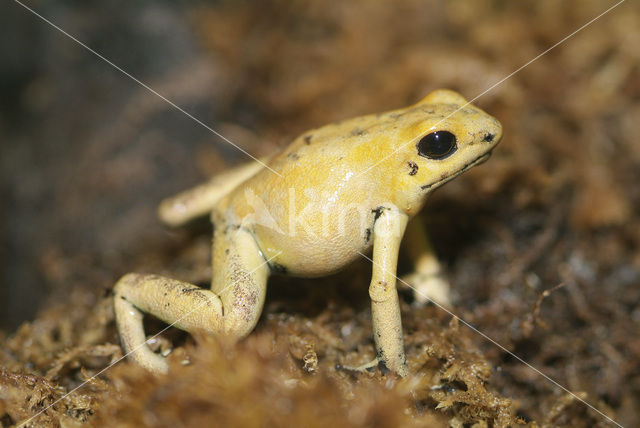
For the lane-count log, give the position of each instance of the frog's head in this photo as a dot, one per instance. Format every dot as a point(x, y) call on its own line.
point(445, 137)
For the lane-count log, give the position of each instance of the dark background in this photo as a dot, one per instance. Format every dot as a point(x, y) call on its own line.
point(86, 152)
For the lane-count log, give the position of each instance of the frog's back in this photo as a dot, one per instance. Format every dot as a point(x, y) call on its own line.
point(331, 165)
point(319, 207)
point(323, 161)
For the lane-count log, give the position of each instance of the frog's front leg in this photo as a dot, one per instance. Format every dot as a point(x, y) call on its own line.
point(385, 306)
point(232, 307)
point(427, 281)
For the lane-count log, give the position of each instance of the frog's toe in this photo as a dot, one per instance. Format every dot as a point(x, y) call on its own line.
point(372, 366)
point(367, 367)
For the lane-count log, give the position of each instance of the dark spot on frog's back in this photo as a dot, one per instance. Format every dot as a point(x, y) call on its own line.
point(413, 168)
point(357, 131)
point(293, 156)
point(307, 139)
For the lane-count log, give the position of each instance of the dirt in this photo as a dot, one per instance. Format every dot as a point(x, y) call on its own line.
point(541, 243)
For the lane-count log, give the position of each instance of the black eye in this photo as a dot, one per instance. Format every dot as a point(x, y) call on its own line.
point(437, 145)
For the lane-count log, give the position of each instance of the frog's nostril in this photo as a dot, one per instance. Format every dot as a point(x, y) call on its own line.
point(488, 137)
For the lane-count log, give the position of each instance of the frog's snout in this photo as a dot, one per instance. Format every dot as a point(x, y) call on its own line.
point(493, 134)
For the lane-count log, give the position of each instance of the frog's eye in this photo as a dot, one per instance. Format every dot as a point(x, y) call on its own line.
point(437, 145)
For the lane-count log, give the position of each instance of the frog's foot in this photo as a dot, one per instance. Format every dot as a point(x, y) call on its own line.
point(367, 367)
point(428, 287)
point(372, 365)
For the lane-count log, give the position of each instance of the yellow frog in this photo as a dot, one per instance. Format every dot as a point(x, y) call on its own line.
point(317, 206)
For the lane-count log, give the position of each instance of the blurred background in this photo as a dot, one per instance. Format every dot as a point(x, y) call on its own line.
point(86, 153)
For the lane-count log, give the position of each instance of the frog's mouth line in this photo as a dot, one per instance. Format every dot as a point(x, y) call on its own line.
point(477, 161)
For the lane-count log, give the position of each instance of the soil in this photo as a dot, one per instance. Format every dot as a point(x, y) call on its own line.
point(541, 244)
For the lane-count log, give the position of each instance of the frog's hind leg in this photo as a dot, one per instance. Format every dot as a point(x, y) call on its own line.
point(427, 280)
point(232, 308)
point(240, 278)
point(178, 303)
point(199, 201)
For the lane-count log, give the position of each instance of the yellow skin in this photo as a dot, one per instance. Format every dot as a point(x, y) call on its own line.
point(341, 189)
